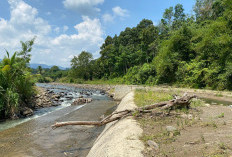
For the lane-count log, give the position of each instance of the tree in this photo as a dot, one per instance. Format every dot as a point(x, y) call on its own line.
point(54, 69)
point(168, 16)
point(80, 65)
point(179, 16)
point(203, 9)
point(40, 69)
point(24, 55)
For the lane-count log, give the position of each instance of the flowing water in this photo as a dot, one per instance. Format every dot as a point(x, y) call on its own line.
point(33, 136)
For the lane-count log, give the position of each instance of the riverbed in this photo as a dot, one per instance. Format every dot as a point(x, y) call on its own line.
point(34, 136)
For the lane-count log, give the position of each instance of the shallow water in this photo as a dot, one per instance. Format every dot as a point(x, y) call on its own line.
point(74, 92)
point(34, 136)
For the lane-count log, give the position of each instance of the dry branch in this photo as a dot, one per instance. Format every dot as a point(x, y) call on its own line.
point(177, 102)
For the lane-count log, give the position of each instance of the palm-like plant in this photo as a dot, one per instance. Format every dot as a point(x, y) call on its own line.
point(16, 86)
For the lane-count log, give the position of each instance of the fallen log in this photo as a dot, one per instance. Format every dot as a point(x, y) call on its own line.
point(177, 102)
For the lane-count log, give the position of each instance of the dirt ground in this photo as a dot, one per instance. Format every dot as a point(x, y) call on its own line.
point(203, 131)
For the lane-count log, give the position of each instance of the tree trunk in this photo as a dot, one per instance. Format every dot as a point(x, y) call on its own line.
point(177, 102)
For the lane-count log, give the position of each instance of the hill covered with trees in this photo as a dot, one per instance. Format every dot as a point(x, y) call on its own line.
point(193, 51)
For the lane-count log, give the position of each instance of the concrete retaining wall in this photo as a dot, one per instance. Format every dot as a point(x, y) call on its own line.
point(121, 138)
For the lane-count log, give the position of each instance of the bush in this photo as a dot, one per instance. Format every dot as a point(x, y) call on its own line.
point(140, 75)
point(16, 82)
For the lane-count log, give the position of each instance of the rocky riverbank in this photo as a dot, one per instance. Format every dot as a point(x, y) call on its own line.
point(104, 89)
point(46, 97)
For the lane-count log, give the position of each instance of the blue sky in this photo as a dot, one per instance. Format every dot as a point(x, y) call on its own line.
point(64, 28)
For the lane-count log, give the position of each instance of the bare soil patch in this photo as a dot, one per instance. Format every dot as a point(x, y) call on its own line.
point(200, 131)
point(203, 130)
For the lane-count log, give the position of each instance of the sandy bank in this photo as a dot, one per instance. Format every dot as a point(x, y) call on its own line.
point(120, 139)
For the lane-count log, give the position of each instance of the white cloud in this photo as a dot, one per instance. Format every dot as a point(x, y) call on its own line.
point(108, 18)
point(120, 12)
point(117, 12)
point(84, 7)
point(24, 24)
point(89, 33)
point(65, 28)
point(57, 30)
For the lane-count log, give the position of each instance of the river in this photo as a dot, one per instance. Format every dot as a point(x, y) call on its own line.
point(34, 136)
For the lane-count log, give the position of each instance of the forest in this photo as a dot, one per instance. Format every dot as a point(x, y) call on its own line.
point(182, 50)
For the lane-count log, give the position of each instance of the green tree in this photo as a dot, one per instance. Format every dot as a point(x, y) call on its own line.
point(80, 65)
point(179, 16)
point(24, 56)
point(40, 69)
point(168, 16)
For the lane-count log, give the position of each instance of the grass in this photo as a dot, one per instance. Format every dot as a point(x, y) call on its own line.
point(143, 97)
point(209, 124)
point(219, 94)
point(197, 103)
point(116, 81)
point(221, 115)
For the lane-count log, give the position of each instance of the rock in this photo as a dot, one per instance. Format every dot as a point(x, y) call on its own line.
point(39, 102)
point(37, 96)
point(170, 128)
point(80, 101)
point(55, 104)
point(207, 105)
point(102, 117)
point(87, 94)
point(56, 96)
point(102, 92)
point(27, 112)
point(69, 97)
point(187, 116)
point(50, 92)
point(153, 145)
point(111, 95)
point(14, 116)
point(56, 99)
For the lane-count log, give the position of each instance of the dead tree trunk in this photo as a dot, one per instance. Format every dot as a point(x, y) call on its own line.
point(177, 102)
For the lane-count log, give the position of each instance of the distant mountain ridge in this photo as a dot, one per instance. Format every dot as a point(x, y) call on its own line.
point(44, 66)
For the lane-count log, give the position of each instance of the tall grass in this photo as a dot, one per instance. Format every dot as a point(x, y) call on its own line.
point(143, 97)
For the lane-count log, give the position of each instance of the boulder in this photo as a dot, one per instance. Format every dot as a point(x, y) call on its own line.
point(153, 145)
point(56, 96)
point(170, 128)
point(27, 112)
point(80, 101)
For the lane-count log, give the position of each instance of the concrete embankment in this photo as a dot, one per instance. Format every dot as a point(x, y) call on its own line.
point(121, 138)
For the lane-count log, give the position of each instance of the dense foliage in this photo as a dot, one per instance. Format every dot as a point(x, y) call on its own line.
point(183, 50)
point(16, 86)
point(46, 75)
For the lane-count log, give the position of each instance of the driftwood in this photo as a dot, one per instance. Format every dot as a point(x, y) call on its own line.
point(177, 102)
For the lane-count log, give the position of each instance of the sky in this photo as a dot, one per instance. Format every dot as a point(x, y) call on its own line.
point(64, 28)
